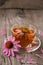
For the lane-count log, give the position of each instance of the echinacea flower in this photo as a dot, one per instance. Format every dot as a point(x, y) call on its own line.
point(10, 46)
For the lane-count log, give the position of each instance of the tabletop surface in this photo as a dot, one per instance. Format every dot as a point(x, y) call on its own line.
point(28, 4)
point(9, 18)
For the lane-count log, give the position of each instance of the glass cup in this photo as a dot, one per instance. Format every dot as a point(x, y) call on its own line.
point(26, 34)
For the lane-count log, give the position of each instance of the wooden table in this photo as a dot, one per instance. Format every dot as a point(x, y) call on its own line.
point(27, 4)
point(9, 18)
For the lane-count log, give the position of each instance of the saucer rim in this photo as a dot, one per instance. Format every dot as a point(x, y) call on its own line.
point(37, 47)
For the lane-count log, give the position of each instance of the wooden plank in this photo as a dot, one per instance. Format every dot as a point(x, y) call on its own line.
point(27, 4)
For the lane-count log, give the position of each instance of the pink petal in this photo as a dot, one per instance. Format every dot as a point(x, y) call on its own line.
point(41, 34)
point(5, 51)
point(28, 48)
point(15, 50)
point(41, 50)
point(29, 59)
point(21, 33)
point(2, 32)
point(32, 62)
point(12, 53)
point(3, 46)
point(18, 45)
point(16, 42)
point(9, 53)
point(33, 47)
point(13, 39)
point(10, 38)
point(18, 31)
point(5, 41)
point(38, 56)
point(18, 57)
point(35, 43)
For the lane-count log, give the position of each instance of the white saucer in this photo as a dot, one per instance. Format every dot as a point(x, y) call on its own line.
point(36, 46)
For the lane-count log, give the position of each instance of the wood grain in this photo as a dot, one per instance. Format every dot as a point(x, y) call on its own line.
point(27, 4)
point(9, 18)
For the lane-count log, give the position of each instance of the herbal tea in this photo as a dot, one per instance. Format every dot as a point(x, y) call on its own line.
point(24, 34)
